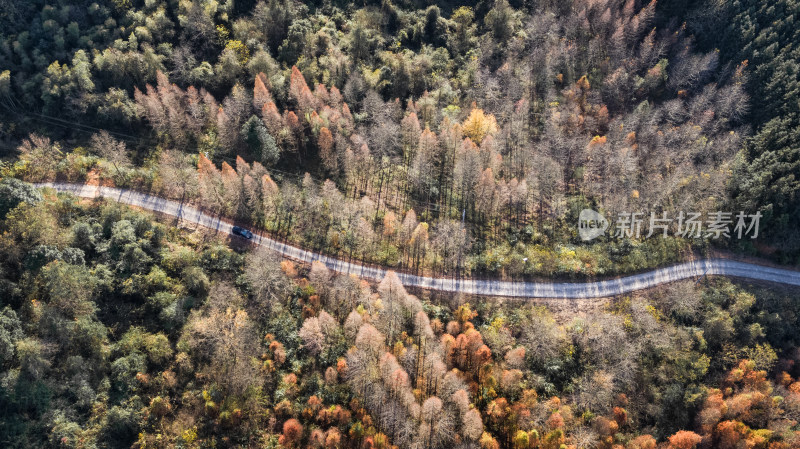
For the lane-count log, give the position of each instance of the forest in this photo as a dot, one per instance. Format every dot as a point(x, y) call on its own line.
point(453, 139)
point(445, 138)
point(120, 330)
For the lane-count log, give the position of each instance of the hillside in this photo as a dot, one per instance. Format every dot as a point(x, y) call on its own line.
point(119, 331)
point(452, 139)
point(463, 140)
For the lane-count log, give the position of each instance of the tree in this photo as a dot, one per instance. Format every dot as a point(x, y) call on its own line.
point(210, 182)
point(501, 20)
point(273, 19)
point(300, 93)
point(232, 196)
point(486, 194)
point(275, 123)
point(177, 176)
point(369, 340)
point(541, 336)
point(407, 228)
point(322, 279)
point(68, 85)
point(390, 225)
point(467, 172)
point(685, 439)
point(451, 243)
point(261, 95)
point(472, 424)
point(352, 325)
point(766, 180)
point(292, 433)
point(33, 358)
point(13, 192)
point(113, 151)
point(462, 39)
point(683, 300)
point(68, 289)
point(270, 197)
point(326, 152)
point(199, 30)
point(178, 117)
point(313, 338)
point(227, 338)
point(333, 438)
point(549, 182)
point(418, 244)
point(40, 156)
point(479, 125)
point(268, 283)
point(260, 141)
point(436, 427)
point(230, 117)
point(422, 171)
point(642, 442)
point(410, 131)
point(10, 334)
point(321, 335)
point(515, 358)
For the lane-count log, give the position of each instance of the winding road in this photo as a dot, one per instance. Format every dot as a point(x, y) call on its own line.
point(519, 289)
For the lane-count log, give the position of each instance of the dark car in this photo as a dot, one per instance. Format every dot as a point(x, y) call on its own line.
point(242, 231)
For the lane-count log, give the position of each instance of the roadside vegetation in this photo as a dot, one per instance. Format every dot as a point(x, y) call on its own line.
point(117, 331)
point(445, 139)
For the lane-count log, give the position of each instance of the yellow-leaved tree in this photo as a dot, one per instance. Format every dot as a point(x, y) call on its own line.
point(479, 125)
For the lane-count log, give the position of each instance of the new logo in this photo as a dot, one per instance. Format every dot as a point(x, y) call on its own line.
point(591, 224)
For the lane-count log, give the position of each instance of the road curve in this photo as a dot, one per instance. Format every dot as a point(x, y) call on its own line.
point(520, 289)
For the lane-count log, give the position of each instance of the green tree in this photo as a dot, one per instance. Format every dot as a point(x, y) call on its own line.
point(501, 21)
point(463, 37)
point(13, 191)
point(68, 83)
point(10, 334)
point(261, 143)
point(767, 179)
point(68, 289)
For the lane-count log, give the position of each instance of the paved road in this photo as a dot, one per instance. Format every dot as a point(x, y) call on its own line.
point(520, 289)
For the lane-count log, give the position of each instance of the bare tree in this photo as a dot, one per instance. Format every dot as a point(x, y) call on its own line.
point(113, 151)
point(436, 425)
point(177, 175)
point(542, 337)
point(229, 338)
point(320, 333)
point(267, 282)
point(450, 243)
